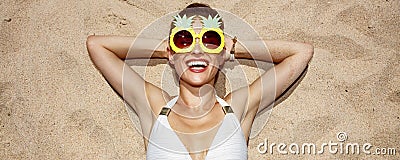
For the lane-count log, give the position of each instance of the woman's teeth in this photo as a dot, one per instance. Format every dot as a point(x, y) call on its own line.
point(197, 64)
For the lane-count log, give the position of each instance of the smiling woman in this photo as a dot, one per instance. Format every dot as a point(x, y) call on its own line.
point(197, 124)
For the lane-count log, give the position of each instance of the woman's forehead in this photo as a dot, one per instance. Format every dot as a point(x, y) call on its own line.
point(197, 24)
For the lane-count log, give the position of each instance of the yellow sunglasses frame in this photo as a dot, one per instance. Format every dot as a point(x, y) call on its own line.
point(195, 35)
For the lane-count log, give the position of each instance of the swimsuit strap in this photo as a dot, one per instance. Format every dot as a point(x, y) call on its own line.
point(222, 102)
point(167, 108)
point(225, 106)
point(172, 102)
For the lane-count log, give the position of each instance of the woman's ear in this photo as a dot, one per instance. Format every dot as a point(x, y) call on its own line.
point(170, 55)
point(224, 56)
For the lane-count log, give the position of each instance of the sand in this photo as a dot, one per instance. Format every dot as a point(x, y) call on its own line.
point(54, 104)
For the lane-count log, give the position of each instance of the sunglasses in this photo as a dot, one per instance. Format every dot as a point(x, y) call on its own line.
point(211, 40)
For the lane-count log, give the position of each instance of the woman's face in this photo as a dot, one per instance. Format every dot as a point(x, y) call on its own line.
point(197, 67)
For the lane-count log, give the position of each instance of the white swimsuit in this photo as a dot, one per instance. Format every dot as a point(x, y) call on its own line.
point(228, 143)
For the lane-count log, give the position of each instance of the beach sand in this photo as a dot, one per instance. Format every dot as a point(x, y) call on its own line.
point(54, 104)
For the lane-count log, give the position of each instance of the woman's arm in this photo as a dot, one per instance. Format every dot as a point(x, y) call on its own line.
point(121, 46)
point(108, 54)
point(277, 50)
point(289, 58)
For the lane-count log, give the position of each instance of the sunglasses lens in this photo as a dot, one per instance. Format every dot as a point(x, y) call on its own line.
point(183, 39)
point(211, 40)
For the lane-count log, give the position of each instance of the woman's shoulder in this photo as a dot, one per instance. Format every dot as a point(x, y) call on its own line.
point(156, 98)
point(238, 102)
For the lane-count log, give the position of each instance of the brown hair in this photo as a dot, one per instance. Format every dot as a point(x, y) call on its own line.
point(199, 9)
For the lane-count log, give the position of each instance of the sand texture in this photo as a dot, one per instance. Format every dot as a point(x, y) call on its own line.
point(54, 104)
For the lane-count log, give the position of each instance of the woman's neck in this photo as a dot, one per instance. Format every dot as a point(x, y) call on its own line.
point(197, 98)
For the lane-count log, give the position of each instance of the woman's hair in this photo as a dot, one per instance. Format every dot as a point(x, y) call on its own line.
point(197, 5)
point(199, 9)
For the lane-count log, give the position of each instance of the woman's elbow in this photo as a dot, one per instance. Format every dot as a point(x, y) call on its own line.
point(91, 44)
point(90, 41)
point(308, 51)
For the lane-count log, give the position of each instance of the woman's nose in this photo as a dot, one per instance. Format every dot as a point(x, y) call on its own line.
point(197, 49)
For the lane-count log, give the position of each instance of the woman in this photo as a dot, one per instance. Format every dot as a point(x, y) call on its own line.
point(197, 124)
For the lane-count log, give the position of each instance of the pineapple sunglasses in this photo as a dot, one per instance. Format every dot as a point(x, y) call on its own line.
point(183, 37)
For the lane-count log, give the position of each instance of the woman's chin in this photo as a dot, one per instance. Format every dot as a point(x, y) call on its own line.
point(196, 81)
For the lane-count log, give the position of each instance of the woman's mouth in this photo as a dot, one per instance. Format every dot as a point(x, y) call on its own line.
point(197, 66)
